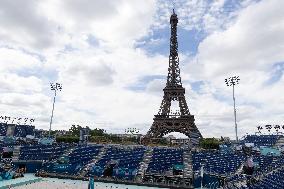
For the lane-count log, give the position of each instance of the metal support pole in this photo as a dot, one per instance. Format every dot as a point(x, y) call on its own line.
point(52, 114)
point(201, 174)
point(235, 115)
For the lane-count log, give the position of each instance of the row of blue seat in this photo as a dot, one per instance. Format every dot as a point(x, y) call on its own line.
point(262, 140)
point(216, 162)
point(163, 159)
point(3, 129)
point(41, 152)
point(75, 160)
point(19, 131)
point(274, 180)
point(125, 162)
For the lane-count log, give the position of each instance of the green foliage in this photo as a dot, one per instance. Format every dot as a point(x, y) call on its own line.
point(97, 132)
point(97, 136)
point(210, 143)
point(114, 138)
point(99, 139)
point(67, 139)
point(75, 130)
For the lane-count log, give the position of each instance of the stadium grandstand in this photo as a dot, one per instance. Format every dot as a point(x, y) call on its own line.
point(256, 161)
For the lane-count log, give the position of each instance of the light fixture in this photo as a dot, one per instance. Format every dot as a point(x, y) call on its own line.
point(54, 87)
point(232, 81)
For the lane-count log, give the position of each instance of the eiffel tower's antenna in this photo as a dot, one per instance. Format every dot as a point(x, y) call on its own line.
point(173, 79)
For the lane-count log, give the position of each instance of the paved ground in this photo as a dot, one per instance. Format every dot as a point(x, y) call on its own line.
point(72, 184)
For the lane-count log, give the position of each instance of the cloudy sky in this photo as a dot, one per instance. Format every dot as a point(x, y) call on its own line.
point(112, 58)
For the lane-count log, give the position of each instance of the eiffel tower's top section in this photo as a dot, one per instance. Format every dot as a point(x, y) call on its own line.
point(173, 80)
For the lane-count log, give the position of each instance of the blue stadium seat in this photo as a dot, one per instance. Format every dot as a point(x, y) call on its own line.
point(262, 140)
point(127, 162)
point(41, 152)
point(164, 159)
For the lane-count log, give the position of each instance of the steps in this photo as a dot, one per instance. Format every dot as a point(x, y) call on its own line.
point(187, 161)
point(280, 142)
point(16, 153)
point(259, 177)
point(68, 151)
point(239, 170)
point(144, 164)
point(84, 170)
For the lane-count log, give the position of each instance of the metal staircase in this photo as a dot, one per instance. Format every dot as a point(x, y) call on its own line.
point(187, 161)
point(239, 170)
point(258, 177)
point(84, 170)
point(280, 142)
point(16, 153)
point(144, 164)
point(69, 151)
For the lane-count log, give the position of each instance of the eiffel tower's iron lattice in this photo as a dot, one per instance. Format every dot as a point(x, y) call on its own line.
point(167, 121)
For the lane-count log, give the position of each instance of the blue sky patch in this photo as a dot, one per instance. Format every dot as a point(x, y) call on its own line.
point(141, 84)
point(93, 41)
point(196, 86)
point(159, 41)
point(276, 73)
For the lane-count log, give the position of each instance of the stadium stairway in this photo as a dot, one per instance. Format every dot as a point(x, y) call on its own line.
point(259, 176)
point(16, 153)
point(280, 142)
point(240, 169)
point(274, 180)
point(269, 169)
point(69, 151)
point(84, 170)
point(187, 160)
point(144, 164)
point(236, 179)
point(65, 153)
point(266, 180)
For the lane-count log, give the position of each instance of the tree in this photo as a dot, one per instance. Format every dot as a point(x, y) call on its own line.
point(97, 132)
point(75, 130)
point(210, 143)
point(67, 139)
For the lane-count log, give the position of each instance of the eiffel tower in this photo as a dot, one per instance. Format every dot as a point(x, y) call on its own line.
point(167, 121)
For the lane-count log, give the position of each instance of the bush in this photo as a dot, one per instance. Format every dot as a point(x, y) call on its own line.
point(210, 143)
point(67, 139)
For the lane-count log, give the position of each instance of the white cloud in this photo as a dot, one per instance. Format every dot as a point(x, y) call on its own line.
point(249, 47)
point(12, 82)
point(22, 23)
point(13, 60)
point(96, 78)
point(254, 42)
point(201, 15)
point(114, 23)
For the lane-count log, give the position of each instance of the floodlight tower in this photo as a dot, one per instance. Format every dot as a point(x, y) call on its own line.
point(232, 81)
point(132, 131)
point(54, 87)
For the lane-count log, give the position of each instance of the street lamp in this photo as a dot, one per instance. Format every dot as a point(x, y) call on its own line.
point(54, 87)
point(232, 81)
